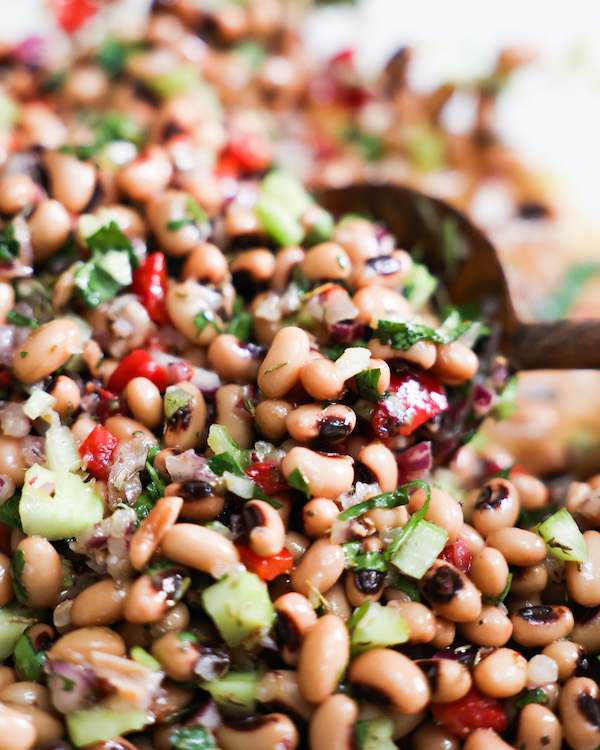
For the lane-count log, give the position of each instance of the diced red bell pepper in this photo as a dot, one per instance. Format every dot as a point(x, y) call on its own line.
point(72, 14)
point(413, 399)
point(97, 450)
point(110, 405)
point(266, 568)
point(268, 477)
point(473, 711)
point(150, 283)
point(458, 554)
point(5, 377)
point(137, 364)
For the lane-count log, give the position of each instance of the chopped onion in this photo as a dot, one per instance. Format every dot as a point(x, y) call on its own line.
point(355, 359)
point(415, 462)
point(71, 685)
point(38, 404)
point(61, 453)
point(13, 420)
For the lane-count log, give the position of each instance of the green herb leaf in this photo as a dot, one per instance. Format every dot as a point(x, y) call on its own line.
point(110, 237)
point(143, 505)
point(10, 248)
point(223, 462)
point(192, 738)
point(9, 512)
point(242, 323)
point(357, 615)
point(404, 335)
point(386, 500)
point(507, 405)
point(203, 319)
point(419, 285)
point(28, 661)
point(366, 384)
point(17, 565)
point(371, 146)
point(113, 126)
point(413, 520)
point(21, 320)
point(503, 595)
point(533, 696)
point(175, 226)
point(357, 560)
point(299, 482)
point(114, 53)
point(409, 587)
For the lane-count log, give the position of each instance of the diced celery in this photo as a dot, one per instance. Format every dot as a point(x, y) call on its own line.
point(279, 222)
point(103, 724)
point(175, 399)
point(38, 404)
point(240, 607)
point(287, 190)
point(176, 81)
point(379, 627)
point(563, 538)
point(61, 453)
point(240, 486)
point(57, 504)
point(220, 441)
point(235, 692)
point(141, 656)
point(419, 550)
point(419, 285)
point(11, 627)
point(375, 734)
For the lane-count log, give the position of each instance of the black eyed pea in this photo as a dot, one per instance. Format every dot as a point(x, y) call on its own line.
point(175, 620)
point(326, 261)
point(257, 265)
point(234, 361)
point(151, 596)
point(313, 422)
point(392, 676)
point(151, 531)
point(68, 397)
point(47, 727)
point(570, 658)
point(376, 303)
point(321, 379)
point(145, 402)
point(519, 547)
point(327, 474)
point(422, 353)
point(378, 463)
point(471, 538)
point(419, 618)
point(579, 713)
point(294, 617)
point(7, 677)
point(318, 515)
point(496, 506)
point(448, 680)
point(270, 732)
point(45, 350)
point(72, 182)
point(485, 739)
point(450, 593)
point(297, 544)
point(206, 264)
point(443, 511)
point(124, 428)
point(540, 625)
point(200, 502)
point(177, 655)
point(279, 687)
point(583, 579)
point(358, 238)
point(285, 261)
point(76, 646)
point(146, 175)
point(264, 528)
point(489, 572)
point(42, 572)
point(232, 413)
point(538, 729)
point(170, 209)
point(533, 493)
point(12, 459)
point(322, 565)
point(17, 191)
point(332, 724)
point(430, 736)
point(529, 580)
point(586, 631)
point(102, 603)
point(27, 694)
point(337, 601)
point(445, 632)
point(200, 548)
point(7, 300)
point(454, 363)
point(17, 731)
point(383, 271)
point(185, 426)
point(491, 627)
point(170, 701)
point(280, 369)
point(501, 674)
point(324, 655)
point(364, 586)
point(7, 590)
point(270, 417)
point(188, 310)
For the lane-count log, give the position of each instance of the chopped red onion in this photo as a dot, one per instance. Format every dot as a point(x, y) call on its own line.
point(207, 715)
point(187, 465)
point(483, 399)
point(13, 420)
point(7, 488)
point(206, 380)
point(71, 686)
point(34, 451)
point(345, 332)
point(415, 462)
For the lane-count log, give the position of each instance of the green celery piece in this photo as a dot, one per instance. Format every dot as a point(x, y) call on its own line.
point(563, 538)
point(419, 550)
point(287, 190)
point(279, 222)
point(103, 724)
point(236, 692)
point(13, 622)
point(375, 734)
point(182, 79)
point(379, 627)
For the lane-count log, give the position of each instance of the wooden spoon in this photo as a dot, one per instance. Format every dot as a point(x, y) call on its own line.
point(471, 273)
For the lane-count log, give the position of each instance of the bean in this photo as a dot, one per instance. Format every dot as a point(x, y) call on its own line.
point(540, 625)
point(175, 620)
point(48, 729)
point(443, 511)
point(72, 182)
point(279, 687)
point(100, 604)
point(580, 714)
point(295, 616)
point(489, 572)
point(229, 414)
point(529, 580)
point(68, 398)
point(200, 548)
point(257, 264)
point(422, 353)
point(472, 539)
point(450, 593)
point(200, 503)
point(86, 84)
point(185, 427)
point(17, 191)
point(326, 261)
point(76, 646)
point(501, 674)
point(264, 527)
point(285, 261)
point(322, 565)
point(151, 531)
point(583, 578)
point(332, 724)
point(169, 207)
point(538, 729)
point(375, 303)
point(27, 694)
point(17, 732)
point(45, 350)
point(170, 701)
point(270, 732)
point(7, 676)
point(586, 631)
point(519, 547)
point(485, 739)
point(234, 361)
point(454, 363)
point(147, 175)
point(569, 657)
point(321, 379)
point(337, 601)
point(318, 516)
point(185, 302)
point(177, 656)
point(419, 619)
point(324, 655)
point(496, 506)
point(432, 737)
point(7, 590)
point(326, 424)
point(392, 676)
point(448, 680)
point(297, 544)
point(280, 369)
point(42, 572)
point(490, 628)
point(145, 402)
point(357, 237)
point(379, 461)
point(445, 632)
point(533, 493)
point(124, 428)
point(327, 475)
point(206, 264)
point(150, 597)
point(363, 586)
point(270, 417)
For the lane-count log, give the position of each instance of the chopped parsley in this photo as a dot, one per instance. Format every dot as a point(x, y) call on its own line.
point(404, 335)
point(28, 661)
point(299, 482)
point(9, 245)
point(21, 320)
point(194, 215)
point(193, 737)
point(242, 322)
point(9, 512)
point(113, 126)
point(205, 318)
point(112, 57)
point(366, 384)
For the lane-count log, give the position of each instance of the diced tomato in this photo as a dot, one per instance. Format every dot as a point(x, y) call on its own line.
point(413, 399)
point(268, 477)
point(72, 14)
point(97, 450)
point(110, 405)
point(473, 711)
point(150, 284)
point(458, 554)
point(137, 364)
point(245, 154)
point(266, 568)
point(228, 166)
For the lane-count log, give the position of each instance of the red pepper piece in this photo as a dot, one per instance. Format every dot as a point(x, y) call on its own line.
point(72, 14)
point(110, 405)
point(150, 284)
point(137, 364)
point(97, 449)
point(268, 477)
point(458, 554)
point(266, 568)
point(473, 711)
point(413, 399)
point(5, 377)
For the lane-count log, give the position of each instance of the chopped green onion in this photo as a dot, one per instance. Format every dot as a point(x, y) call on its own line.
point(12, 316)
point(28, 661)
point(386, 500)
point(299, 482)
point(419, 549)
point(413, 520)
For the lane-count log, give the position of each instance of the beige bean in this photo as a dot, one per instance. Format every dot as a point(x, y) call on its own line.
point(200, 503)
point(42, 572)
point(358, 238)
point(491, 627)
point(264, 527)
point(489, 572)
point(17, 191)
point(100, 604)
point(295, 617)
point(7, 590)
point(7, 676)
point(363, 586)
point(485, 739)
point(146, 175)
point(205, 264)
point(322, 565)
point(27, 693)
point(496, 506)
point(379, 460)
point(394, 676)
point(540, 625)
point(538, 729)
point(233, 361)
point(185, 427)
point(533, 493)
point(314, 422)
point(72, 182)
point(326, 261)
point(7, 300)
point(383, 271)
point(200, 548)
point(188, 310)
point(472, 538)
point(379, 303)
point(578, 707)
point(258, 264)
point(443, 511)
point(419, 619)
point(332, 724)
point(172, 206)
point(433, 737)
point(327, 474)
point(151, 531)
point(454, 363)
point(519, 547)
point(321, 379)
point(86, 84)
point(145, 402)
point(450, 593)
point(49, 226)
point(76, 646)
point(568, 656)
point(238, 420)
point(269, 732)
point(17, 731)
point(529, 580)
point(501, 674)
point(175, 620)
point(280, 369)
point(170, 701)
point(177, 655)
point(280, 687)
point(124, 428)
point(150, 597)
point(323, 657)
point(445, 632)
point(45, 350)
point(583, 579)
point(68, 397)
point(337, 601)
point(47, 727)
point(270, 418)
point(318, 516)
point(448, 680)
point(422, 353)
point(586, 631)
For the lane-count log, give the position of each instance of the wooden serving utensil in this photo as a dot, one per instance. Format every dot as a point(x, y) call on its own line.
point(471, 273)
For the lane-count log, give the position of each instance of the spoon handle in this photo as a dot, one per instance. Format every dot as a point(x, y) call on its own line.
point(556, 345)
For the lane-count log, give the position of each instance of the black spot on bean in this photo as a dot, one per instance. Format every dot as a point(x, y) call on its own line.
point(588, 616)
point(589, 707)
point(212, 664)
point(369, 581)
point(173, 582)
point(431, 669)
point(181, 418)
point(443, 585)
point(384, 265)
point(193, 489)
point(171, 129)
point(252, 516)
point(247, 723)
point(371, 694)
point(531, 210)
point(539, 615)
point(286, 631)
point(245, 285)
point(333, 428)
point(362, 473)
point(491, 497)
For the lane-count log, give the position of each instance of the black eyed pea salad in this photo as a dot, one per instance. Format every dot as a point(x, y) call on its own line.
point(221, 525)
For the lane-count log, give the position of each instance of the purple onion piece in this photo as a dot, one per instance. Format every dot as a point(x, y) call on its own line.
point(483, 399)
point(341, 333)
point(30, 51)
point(71, 686)
point(415, 462)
